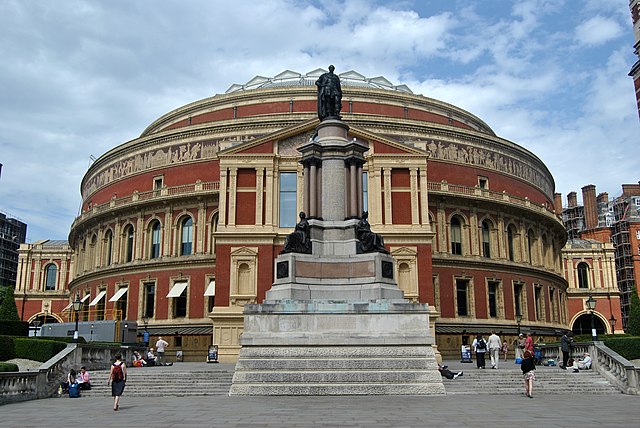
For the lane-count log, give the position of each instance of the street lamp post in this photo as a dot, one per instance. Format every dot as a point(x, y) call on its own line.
point(591, 305)
point(145, 335)
point(518, 320)
point(612, 321)
point(77, 306)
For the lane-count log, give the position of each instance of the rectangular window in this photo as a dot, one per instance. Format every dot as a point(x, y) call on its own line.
point(177, 341)
point(365, 191)
point(462, 286)
point(180, 305)
point(157, 183)
point(493, 298)
point(538, 297)
point(483, 182)
point(288, 216)
point(100, 308)
point(149, 299)
point(122, 307)
point(517, 295)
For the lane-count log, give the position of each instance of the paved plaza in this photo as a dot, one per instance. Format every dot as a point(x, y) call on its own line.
point(363, 411)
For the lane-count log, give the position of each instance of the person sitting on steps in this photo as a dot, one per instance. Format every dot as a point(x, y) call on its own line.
point(448, 373)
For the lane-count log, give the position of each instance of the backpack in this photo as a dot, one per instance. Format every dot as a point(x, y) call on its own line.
point(481, 344)
point(118, 375)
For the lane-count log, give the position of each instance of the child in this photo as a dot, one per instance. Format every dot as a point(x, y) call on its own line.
point(505, 349)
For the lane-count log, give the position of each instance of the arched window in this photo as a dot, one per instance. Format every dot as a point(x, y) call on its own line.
point(583, 275)
point(154, 251)
point(486, 238)
point(214, 229)
point(109, 247)
point(186, 234)
point(51, 272)
point(92, 252)
point(128, 234)
point(456, 236)
point(510, 245)
point(530, 240)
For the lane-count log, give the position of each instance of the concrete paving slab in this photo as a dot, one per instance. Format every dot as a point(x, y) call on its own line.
point(363, 411)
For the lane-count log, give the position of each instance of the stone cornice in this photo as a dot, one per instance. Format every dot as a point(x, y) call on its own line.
point(497, 266)
point(145, 266)
point(240, 98)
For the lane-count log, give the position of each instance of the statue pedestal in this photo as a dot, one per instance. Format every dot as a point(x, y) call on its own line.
point(336, 348)
point(335, 321)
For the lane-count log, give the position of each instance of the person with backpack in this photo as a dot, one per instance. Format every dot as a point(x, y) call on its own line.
point(72, 380)
point(480, 348)
point(117, 379)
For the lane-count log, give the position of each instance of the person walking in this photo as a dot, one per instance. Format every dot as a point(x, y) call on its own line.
point(528, 343)
point(117, 379)
point(479, 347)
point(565, 346)
point(160, 348)
point(505, 349)
point(528, 373)
point(495, 344)
point(519, 346)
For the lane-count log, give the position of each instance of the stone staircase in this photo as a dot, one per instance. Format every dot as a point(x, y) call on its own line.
point(201, 379)
point(337, 370)
point(507, 379)
point(180, 380)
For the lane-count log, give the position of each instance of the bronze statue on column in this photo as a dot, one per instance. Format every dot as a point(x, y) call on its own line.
point(329, 95)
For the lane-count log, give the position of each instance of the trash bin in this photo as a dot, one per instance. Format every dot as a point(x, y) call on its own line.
point(212, 355)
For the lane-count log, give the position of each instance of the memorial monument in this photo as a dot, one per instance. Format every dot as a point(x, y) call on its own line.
point(335, 321)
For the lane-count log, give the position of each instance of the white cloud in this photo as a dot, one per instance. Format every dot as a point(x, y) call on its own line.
point(597, 31)
point(80, 78)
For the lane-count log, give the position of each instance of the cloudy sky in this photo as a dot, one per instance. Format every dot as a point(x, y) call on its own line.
point(80, 77)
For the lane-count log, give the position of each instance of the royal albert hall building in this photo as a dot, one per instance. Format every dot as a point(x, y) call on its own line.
point(180, 226)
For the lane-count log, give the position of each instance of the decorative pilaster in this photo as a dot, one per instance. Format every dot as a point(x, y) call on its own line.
point(222, 198)
point(233, 179)
point(259, 195)
point(415, 212)
point(388, 218)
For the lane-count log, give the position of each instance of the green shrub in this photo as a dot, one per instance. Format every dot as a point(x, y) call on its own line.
point(65, 339)
point(8, 367)
point(7, 348)
point(14, 328)
point(37, 349)
point(8, 309)
point(633, 323)
point(626, 346)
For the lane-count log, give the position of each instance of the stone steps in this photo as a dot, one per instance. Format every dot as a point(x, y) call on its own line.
point(508, 380)
point(191, 381)
point(166, 381)
point(337, 370)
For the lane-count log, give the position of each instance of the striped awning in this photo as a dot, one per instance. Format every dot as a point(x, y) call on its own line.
point(211, 289)
point(178, 330)
point(98, 298)
point(177, 289)
point(119, 294)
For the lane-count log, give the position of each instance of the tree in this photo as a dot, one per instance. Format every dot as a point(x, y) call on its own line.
point(8, 309)
point(633, 322)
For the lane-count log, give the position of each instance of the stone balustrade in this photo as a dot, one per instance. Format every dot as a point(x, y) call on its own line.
point(618, 370)
point(23, 386)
